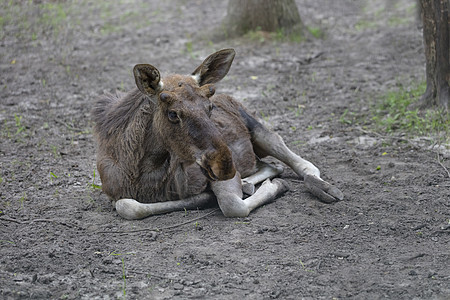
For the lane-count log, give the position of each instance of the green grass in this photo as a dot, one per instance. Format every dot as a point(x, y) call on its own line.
point(19, 124)
point(24, 18)
point(22, 201)
point(280, 36)
point(392, 113)
point(365, 24)
point(316, 32)
point(14, 127)
point(93, 185)
point(6, 241)
point(124, 277)
point(34, 21)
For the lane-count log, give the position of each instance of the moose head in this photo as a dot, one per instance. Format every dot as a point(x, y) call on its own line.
point(183, 107)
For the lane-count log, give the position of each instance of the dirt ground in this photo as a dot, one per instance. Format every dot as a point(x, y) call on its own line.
point(60, 237)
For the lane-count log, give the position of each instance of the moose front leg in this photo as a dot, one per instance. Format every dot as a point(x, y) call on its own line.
point(229, 195)
point(130, 209)
point(264, 171)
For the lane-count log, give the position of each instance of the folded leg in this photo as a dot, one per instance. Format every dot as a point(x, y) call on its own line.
point(264, 171)
point(229, 195)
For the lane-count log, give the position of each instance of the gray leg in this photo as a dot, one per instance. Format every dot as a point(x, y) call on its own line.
point(266, 142)
point(229, 195)
point(264, 171)
point(132, 210)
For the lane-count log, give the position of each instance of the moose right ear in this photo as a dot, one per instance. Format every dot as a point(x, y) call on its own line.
point(148, 78)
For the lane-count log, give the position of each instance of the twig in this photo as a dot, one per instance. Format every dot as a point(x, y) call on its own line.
point(386, 137)
point(69, 127)
point(10, 220)
point(371, 132)
point(442, 165)
point(441, 231)
point(38, 220)
point(162, 228)
point(416, 256)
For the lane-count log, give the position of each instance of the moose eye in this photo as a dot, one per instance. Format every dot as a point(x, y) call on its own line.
point(173, 116)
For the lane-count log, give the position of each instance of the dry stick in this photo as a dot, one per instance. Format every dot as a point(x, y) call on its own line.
point(162, 228)
point(442, 165)
point(384, 136)
point(70, 127)
point(38, 220)
point(10, 220)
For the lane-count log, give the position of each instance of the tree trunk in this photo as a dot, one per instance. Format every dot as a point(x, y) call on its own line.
point(436, 39)
point(265, 15)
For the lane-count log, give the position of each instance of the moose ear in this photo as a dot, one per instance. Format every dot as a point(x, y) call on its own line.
point(147, 78)
point(214, 67)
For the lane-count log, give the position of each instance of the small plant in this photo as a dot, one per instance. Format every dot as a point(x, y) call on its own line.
point(365, 24)
point(124, 276)
point(189, 47)
point(22, 200)
point(316, 32)
point(343, 119)
point(304, 267)
point(239, 222)
point(297, 110)
point(19, 124)
point(264, 116)
point(55, 151)
point(258, 35)
point(93, 185)
point(5, 241)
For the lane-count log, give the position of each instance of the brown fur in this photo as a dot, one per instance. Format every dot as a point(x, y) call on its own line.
point(150, 138)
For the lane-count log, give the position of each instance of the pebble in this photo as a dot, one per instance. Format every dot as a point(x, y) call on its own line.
point(178, 286)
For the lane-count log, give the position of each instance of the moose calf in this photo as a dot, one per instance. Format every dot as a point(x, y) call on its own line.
point(172, 144)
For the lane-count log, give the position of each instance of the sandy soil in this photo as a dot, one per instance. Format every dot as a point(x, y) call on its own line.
point(60, 237)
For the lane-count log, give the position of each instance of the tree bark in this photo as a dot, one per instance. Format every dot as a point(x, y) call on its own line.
point(436, 39)
point(265, 15)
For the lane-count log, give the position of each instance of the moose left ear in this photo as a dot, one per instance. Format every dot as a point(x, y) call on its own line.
point(147, 78)
point(214, 67)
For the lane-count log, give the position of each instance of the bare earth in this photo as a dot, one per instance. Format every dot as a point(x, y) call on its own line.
point(61, 239)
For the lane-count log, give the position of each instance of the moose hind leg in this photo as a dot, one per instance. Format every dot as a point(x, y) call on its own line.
point(266, 142)
point(229, 195)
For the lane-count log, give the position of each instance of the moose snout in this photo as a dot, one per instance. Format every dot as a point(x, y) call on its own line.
point(217, 164)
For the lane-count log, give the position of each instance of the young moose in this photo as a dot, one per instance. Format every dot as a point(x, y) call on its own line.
point(171, 144)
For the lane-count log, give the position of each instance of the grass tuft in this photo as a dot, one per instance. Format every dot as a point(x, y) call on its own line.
point(393, 113)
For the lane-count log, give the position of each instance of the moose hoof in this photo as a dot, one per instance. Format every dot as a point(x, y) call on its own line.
point(323, 190)
point(248, 188)
point(283, 186)
point(130, 209)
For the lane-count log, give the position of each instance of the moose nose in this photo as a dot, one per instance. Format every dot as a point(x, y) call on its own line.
point(217, 164)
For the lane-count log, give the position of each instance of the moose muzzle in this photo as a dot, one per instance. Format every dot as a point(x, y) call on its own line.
point(217, 163)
